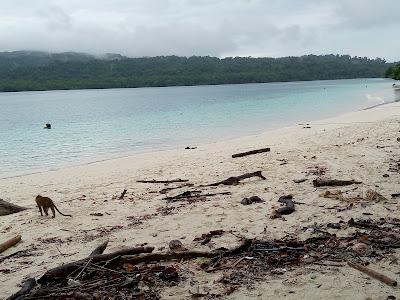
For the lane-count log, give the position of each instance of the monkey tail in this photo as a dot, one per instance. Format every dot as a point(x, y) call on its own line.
point(61, 212)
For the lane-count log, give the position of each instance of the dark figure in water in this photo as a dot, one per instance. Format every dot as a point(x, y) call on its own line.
point(47, 126)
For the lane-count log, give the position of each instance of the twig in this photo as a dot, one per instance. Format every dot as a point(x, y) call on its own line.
point(373, 274)
point(83, 269)
point(163, 181)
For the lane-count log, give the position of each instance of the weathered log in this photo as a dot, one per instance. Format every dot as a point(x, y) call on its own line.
point(63, 271)
point(136, 259)
point(99, 249)
point(333, 182)
point(188, 195)
point(7, 208)
point(27, 286)
point(289, 208)
point(234, 180)
point(373, 274)
point(11, 242)
point(251, 152)
point(123, 194)
point(163, 181)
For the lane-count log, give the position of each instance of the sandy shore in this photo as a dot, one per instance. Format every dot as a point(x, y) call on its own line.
point(360, 145)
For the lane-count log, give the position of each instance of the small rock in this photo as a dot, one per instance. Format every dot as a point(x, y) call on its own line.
point(360, 248)
point(176, 246)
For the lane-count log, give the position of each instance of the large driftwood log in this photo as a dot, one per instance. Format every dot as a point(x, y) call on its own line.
point(63, 271)
point(11, 242)
point(7, 208)
point(251, 152)
point(333, 182)
point(234, 180)
point(153, 257)
point(27, 286)
point(373, 274)
point(163, 181)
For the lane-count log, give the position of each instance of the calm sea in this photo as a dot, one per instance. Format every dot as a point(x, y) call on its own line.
point(92, 125)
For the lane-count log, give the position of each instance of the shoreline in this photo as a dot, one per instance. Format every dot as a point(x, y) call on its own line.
point(177, 147)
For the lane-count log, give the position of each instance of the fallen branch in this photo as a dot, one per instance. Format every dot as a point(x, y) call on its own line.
point(234, 180)
point(63, 271)
point(99, 249)
point(333, 182)
point(152, 257)
point(165, 190)
point(251, 152)
point(11, 242)
point(373, 274)
point(162, 181)
point(27, 286)
point(188, 195)
point(123, 194)
point(7, 208)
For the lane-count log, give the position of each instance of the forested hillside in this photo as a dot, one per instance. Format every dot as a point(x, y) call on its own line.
point(393, 72)
point(23, 70)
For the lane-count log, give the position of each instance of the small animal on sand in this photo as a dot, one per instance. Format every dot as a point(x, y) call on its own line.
point(45, 203)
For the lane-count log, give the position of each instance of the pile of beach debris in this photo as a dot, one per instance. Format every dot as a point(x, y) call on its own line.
point(141, 274)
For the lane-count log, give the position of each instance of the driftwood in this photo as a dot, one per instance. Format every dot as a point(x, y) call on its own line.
point(163, 181)
point(27, 286)
point(7, 208)
point(136, 259)
point(299, 180)
point(251, 152)
point(165, 190)
point(152, 257)
point(333, 182)
point(99, 249)
point(11, 242)
point(206, 237)
point(373, 274)
point(63, 271)
point(189, 195)
point(289, 208)
point(123, 194)
point(234, 180)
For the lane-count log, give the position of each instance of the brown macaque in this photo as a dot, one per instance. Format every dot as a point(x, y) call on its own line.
point(44, 203)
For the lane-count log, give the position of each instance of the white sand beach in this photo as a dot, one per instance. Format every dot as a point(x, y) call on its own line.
point(361, 145)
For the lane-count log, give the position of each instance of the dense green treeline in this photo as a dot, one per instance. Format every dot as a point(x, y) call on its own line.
point(393, 72)
point(21, 71)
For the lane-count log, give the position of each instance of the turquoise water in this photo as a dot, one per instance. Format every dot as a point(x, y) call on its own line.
point(92, 125)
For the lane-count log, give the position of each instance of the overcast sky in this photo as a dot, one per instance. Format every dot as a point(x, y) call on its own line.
point(203, 27)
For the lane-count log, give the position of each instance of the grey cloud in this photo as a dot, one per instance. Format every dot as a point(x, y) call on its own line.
point(202, 27)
